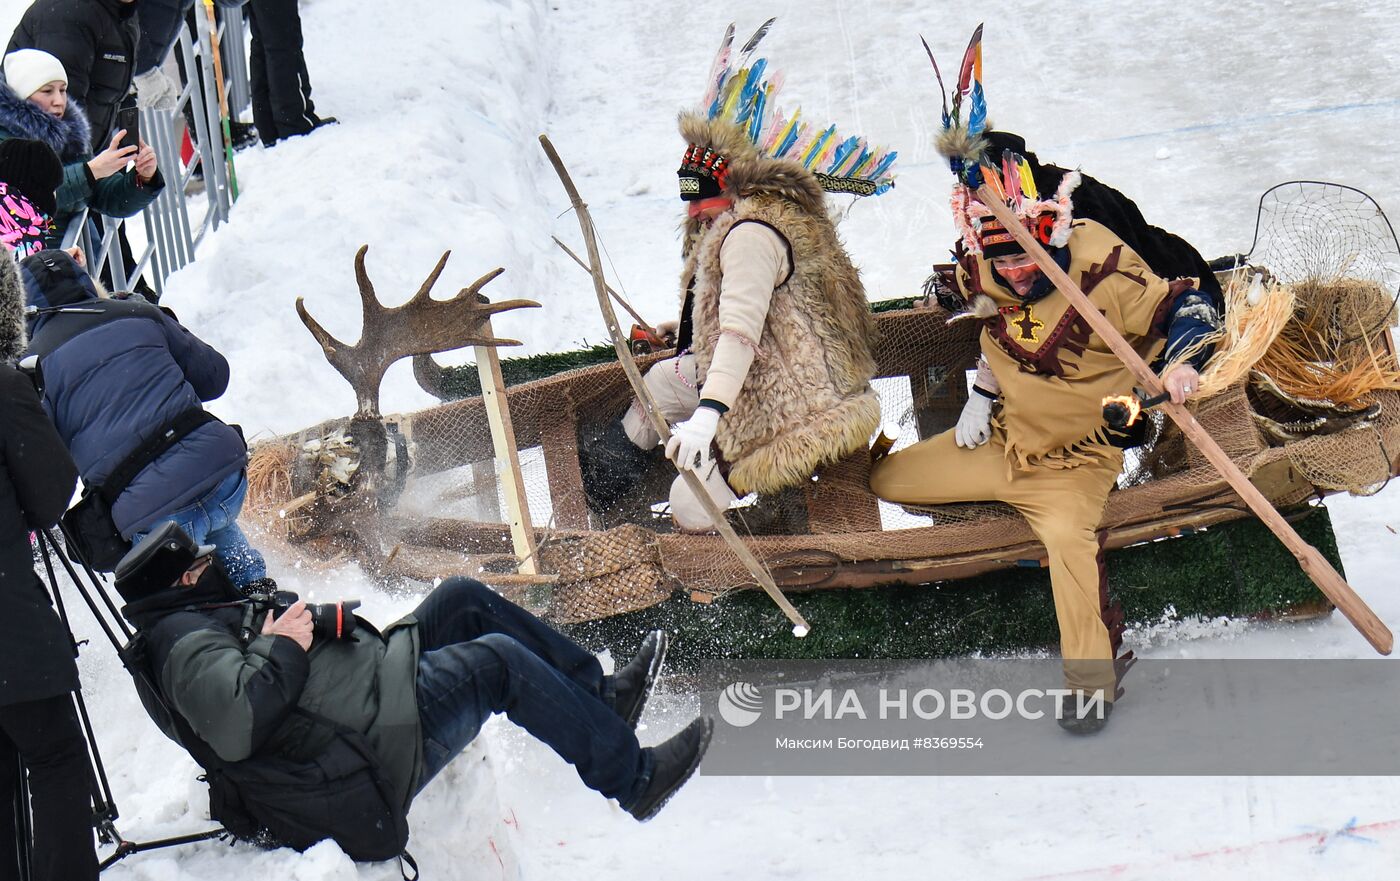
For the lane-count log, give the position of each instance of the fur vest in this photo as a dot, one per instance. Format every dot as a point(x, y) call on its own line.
point(70, 137)
point(807, 399)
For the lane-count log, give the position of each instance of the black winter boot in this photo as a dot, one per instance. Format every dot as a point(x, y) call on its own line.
point(612, 467)
point(1085, 720)
point(633, 683)
point(242, 134)
point(673, 763)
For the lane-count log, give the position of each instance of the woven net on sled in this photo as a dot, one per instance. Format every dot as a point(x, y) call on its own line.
point(1334, 251)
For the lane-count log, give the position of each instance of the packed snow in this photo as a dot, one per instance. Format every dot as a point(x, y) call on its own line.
point(1192, 109)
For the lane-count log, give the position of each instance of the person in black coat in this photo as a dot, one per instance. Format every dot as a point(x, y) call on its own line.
point(38, 724)
point(96, 41)
point(282, 105)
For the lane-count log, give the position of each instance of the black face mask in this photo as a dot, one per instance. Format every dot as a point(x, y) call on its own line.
point(214, 584)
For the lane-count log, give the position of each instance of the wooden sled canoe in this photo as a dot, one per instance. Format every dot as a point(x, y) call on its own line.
point(451, 517)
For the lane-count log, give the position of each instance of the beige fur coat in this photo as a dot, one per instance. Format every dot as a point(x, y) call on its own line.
point(807, 399)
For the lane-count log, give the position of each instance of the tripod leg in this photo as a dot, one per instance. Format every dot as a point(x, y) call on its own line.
point(104, 810)
point(24, 822)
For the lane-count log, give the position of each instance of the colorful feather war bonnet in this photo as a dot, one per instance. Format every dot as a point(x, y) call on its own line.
point(738, 123)
point(966, 143)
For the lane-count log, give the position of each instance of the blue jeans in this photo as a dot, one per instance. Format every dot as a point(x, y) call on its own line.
point(214, 520)
point(482, 654)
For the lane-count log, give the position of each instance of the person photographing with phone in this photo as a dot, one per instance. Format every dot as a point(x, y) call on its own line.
point(34, 105)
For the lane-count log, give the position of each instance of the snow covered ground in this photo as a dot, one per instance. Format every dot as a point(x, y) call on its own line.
point(1192, 109)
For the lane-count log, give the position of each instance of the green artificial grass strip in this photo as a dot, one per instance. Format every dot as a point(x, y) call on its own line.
point(463, 382)
point(894, 305)
point(1236, 569)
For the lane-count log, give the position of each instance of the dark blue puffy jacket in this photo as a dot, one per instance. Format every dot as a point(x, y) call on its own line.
point(121, 371)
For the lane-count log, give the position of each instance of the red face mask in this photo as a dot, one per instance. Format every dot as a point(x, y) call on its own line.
point(1017, 272)
point(708, 208)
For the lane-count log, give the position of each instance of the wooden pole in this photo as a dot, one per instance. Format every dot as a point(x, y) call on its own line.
point(493, 398)
point(223, 98)
point(800, 627)
point(1314, 564)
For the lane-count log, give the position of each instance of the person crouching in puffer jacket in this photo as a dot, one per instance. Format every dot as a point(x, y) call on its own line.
point(119, 373)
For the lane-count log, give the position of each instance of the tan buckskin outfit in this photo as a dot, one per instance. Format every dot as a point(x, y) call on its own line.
point(1050, 455)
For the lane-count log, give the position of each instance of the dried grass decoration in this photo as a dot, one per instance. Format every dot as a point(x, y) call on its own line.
point(270, 476)
point(1330, 350)
point(1256, 312)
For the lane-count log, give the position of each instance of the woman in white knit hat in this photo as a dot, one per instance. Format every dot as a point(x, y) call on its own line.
point(34, 104)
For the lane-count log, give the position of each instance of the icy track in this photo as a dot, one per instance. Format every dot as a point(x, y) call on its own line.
point(1192, 108)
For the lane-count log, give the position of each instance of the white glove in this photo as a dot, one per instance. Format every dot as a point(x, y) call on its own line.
point(975, 423)
point(155, 90)
point(690, 441)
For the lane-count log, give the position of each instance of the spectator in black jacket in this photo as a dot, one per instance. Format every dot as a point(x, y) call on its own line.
point(161, 24)
point(37, 719)
point(96, 42)
point(282, 106)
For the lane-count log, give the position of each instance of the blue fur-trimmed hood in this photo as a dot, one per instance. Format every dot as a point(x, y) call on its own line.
point(69, 137)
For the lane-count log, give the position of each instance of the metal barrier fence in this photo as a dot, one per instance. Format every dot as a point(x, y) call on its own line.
point(175, 225)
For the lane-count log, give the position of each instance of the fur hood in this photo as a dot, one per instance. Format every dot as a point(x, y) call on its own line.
point(69, 137)
point(750, 172)
point(13, 341)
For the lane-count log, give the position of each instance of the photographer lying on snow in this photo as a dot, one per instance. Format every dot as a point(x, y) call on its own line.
point(256, 693)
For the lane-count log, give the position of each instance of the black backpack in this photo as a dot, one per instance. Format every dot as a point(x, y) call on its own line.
point(341, 794)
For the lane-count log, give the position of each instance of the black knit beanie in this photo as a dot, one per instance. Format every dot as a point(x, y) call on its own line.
point(34, 169)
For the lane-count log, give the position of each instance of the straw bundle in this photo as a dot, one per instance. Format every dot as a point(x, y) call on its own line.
point(270, 476)
point(1255, 313)
point(1328, 351)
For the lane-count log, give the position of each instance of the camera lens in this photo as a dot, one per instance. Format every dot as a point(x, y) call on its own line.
point(333, 620)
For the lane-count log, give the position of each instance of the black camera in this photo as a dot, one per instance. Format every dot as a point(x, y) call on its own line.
point(328, 620)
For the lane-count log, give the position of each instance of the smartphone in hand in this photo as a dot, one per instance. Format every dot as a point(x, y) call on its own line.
point(129, 118)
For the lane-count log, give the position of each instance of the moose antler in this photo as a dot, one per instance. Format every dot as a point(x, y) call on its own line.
point(421, 326)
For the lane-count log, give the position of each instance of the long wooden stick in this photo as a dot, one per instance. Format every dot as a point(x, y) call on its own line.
point(615, 295)
point(497, 406)
point(223, 98)
point(1314, 564)
point(800, 627)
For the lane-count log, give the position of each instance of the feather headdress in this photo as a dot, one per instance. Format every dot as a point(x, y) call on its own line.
point(742, 92)
point(964, 143)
